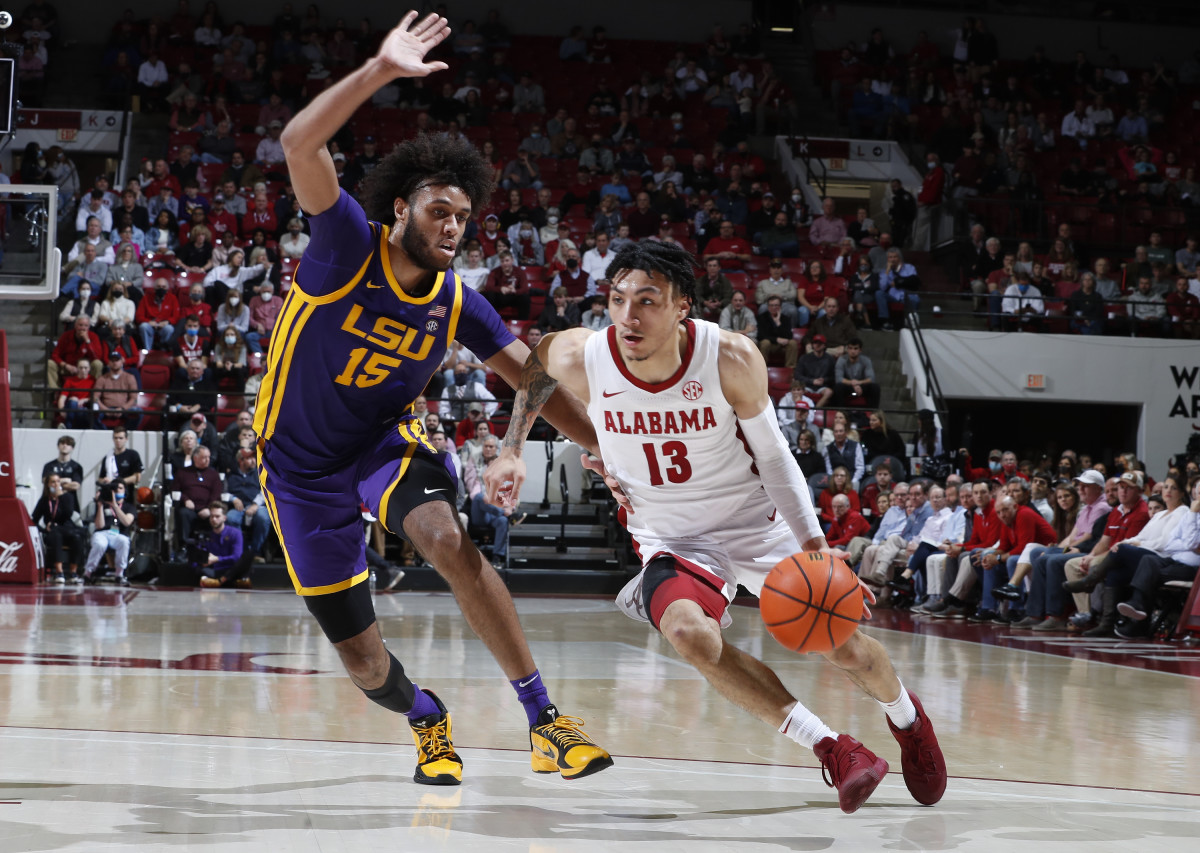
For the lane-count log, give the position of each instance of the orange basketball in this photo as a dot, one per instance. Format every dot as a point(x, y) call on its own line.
point(811, 602)
point(145, 495)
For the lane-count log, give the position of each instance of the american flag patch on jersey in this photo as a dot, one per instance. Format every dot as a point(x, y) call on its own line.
point(437, 311)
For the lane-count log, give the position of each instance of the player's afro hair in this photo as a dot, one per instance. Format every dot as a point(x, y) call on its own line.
point(423, 161)
point(675, 263)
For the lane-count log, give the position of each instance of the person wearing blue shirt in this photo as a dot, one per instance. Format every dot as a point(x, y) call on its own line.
point(877, 560)
point(892, 287)
point(224, 566)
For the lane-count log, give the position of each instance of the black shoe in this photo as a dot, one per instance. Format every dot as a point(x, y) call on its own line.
point(1003, 619)
point(1130, 629)
point(983, 614)
point(902, 585)
point(951, 611)
point(1007, 592)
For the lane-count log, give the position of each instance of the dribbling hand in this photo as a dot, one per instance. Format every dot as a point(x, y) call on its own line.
point(502, 480)
point(405, 47)
point(592, 463)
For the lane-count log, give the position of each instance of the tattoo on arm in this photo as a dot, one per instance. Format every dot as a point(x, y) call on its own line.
point(535, 389)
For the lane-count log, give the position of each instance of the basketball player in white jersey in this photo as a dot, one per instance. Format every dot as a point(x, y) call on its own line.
point(712, 498)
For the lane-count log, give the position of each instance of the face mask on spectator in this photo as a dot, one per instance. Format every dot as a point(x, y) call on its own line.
point(796, 198)
point(460, 379)
point(994, 464)
point(572, 263)
point(551, 220)
point(266, 295)
point(526, 233)
point(930, 164)
point(85, 293)
point(678, 125)
point(191, 333)
point(196, 297)
point(119, 496)
point(233, 301)
point(231, 339)
point(118, 293)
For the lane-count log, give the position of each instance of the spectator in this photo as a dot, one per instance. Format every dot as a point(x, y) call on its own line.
point(1076, 125)
point(1021, 527)
point(74, 403)
point(816, 370)
point(777, 284)
point(893, 522)
point(847, 523)
point(79, 343)
point(94, 236)
point(844, 452)
point(68, 471)
point(229, 358)
point(596, 317)
point(293, 244)
point(929, 202)
point(597, 159)
point(1147, 309)
point(775, 333)
point(84, 304)
point(248, 505)
point(729, 250)
point(474, 273)
point(508, 287)
point(878, 439)
point(837, 328)
point(839, 484)
point(713, 292)
point(737, 318)
point(878, 559)
point(93, 206)
point(198, 486)
point(1022, 305)
point(522, 173)
point(854, 375)
point(233, 313)
point(225, 561)
point(1183, 310)
point(116, 391)
point(192, 393)
point(1083, 573)
point(560, 314)
point(264, 311)
point(54, 515)
point(113, 529)
point(984, 534)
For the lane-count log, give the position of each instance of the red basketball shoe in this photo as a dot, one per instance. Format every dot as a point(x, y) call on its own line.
point(853, 769)
point(921, 758)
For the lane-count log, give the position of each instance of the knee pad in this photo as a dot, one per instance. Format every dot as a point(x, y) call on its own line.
point(343, 614)
point(397, 692)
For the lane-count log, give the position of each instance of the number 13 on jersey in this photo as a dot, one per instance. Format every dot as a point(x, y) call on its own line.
point(675, 452)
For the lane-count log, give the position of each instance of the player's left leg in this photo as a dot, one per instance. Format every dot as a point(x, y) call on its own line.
point(865, 662)
point(420, 507)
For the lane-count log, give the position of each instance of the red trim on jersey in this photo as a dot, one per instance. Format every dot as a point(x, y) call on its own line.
point(691, 568)
point(737, 430)
point(686, 587)
point(623, 520)
point(654, 387)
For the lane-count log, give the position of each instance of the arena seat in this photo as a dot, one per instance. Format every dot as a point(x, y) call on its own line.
point(779, 382)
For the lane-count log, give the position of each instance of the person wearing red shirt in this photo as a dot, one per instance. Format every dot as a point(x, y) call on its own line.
point(195, 306)
point(260, 216)
point(1021, 525)
point(507, 287)
point(731, 251)
point(162, 177)
point(157, 315)
point(985, 535)
point(825, 502)
point(847, 523)
point(220, 220)
point(869, 494)
point(78, 342)
point(929, 202)
point(643, 221)
point(1184, 310)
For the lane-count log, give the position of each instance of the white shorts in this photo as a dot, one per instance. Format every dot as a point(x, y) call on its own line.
point(743, 550)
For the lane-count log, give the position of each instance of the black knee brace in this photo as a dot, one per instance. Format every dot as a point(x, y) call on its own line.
point(397, 693)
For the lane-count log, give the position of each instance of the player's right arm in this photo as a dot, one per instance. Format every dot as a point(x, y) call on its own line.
point(402, 54)
point(558, 358)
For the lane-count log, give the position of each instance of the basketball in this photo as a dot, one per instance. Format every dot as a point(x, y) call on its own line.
point(811, 602)
point(145, 495)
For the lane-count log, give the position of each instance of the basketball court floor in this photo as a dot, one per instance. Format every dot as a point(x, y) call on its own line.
point(220, 721)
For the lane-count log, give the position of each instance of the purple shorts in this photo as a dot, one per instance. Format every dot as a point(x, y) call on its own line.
point(319, 519)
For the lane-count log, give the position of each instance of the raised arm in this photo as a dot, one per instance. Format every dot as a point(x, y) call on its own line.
point(402, 54)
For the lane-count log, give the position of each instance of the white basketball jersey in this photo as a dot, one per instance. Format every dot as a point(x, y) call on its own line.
point(674, 446)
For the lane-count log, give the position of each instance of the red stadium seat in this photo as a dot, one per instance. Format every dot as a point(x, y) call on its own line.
point(779, 382)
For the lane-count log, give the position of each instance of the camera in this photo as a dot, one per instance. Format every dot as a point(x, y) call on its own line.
point(6, 20)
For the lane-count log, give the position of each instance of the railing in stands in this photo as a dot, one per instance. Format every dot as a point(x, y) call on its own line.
point(822, 180)
point(912, 322)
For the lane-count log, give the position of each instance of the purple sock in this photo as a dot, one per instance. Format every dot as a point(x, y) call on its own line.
point(423, 705)
point(532, 695)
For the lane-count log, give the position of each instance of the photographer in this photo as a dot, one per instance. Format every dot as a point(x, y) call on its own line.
point(114, 529)
point(224, 564)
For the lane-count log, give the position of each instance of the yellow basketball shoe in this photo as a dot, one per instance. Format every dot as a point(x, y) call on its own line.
point(437, 762)
point(560, 744)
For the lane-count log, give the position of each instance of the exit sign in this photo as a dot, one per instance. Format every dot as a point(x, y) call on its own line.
point(1035, 381)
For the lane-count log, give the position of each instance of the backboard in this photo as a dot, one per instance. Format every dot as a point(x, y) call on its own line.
point(29, 262)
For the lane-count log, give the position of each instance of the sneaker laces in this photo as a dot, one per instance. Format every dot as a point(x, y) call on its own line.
point(435, 740)
point(567, 731)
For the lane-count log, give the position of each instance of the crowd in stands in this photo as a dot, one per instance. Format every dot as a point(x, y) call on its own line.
point(1013, 543)
point(1092, 152)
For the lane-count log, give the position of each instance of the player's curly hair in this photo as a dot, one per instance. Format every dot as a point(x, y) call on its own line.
point(420, 162)
point(675, 263)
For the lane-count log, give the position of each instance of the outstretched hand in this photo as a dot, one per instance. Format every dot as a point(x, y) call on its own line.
point(592, 463)
point(405, 47)
point(502, 480)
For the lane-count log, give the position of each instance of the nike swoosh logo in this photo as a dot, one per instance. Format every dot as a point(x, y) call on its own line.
point(611, 393)
point(374, 286)
point(526, 683)
point(771, 517)
point(431, 491)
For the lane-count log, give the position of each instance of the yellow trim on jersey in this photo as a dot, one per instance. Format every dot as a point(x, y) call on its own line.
point(385, 258)
point(387, 493)
point(281, 376)
point(337, 294)
point(452, 329)
point(283, 327)
point(299, 587)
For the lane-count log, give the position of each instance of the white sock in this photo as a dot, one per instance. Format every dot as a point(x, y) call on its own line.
point(805, 727)
point(902, 712)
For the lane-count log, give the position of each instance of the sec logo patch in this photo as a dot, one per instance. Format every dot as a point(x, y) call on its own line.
point(431, 326)
point(692, 390)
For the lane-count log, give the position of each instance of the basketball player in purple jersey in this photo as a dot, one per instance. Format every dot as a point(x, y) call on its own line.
point(714, 499)
point(368, 319)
